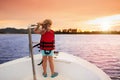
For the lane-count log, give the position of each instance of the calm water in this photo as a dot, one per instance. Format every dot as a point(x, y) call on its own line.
point(101, 50)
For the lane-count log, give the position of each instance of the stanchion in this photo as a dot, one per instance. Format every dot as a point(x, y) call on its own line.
point(31, 52)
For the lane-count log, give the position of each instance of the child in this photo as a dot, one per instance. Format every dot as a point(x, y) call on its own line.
point(46, 45)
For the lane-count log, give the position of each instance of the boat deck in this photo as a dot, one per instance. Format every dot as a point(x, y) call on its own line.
point(60, 77)
point(68, 66)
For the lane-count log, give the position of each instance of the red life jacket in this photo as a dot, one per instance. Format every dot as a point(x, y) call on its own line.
point(47, 41)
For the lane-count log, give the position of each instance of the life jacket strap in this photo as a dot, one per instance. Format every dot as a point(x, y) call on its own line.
point(47, 42)
point(47, 45)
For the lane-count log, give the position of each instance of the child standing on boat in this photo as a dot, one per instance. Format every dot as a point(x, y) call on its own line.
point(46, 45)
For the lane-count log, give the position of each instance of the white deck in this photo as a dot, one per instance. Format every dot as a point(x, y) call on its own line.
point(68, 66)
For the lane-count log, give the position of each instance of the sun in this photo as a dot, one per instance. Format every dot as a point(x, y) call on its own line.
point(102, 24)
point(105, 25)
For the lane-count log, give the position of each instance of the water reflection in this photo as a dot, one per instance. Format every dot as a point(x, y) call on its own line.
point(102, 50)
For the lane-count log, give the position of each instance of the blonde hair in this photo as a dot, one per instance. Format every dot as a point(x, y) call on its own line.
point(47, 21)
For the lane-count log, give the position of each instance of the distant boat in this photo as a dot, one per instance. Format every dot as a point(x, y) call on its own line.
point(68, 66)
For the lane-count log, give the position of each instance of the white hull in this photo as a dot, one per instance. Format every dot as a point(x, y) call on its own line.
point(68, 66)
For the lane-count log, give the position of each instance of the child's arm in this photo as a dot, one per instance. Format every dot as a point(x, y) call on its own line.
point(39, 31)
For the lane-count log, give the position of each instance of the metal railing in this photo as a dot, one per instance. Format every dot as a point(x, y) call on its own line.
point(31, 52)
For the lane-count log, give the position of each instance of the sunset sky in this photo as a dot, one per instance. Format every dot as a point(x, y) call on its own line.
point(83, 14)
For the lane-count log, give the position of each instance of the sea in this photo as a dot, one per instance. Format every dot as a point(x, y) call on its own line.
point(103, 50)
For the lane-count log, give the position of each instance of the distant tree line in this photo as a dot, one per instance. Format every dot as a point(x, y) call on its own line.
point(76, 31)
point(13, 31)
point(64, 31)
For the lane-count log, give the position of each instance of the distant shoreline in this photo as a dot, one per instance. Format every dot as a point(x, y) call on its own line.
point(64, 31)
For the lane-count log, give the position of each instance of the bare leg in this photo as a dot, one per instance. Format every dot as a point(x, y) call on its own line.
point(51, 63)
point(44, 64)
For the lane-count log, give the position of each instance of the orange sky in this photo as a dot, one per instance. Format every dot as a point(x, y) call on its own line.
point(63, 13)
